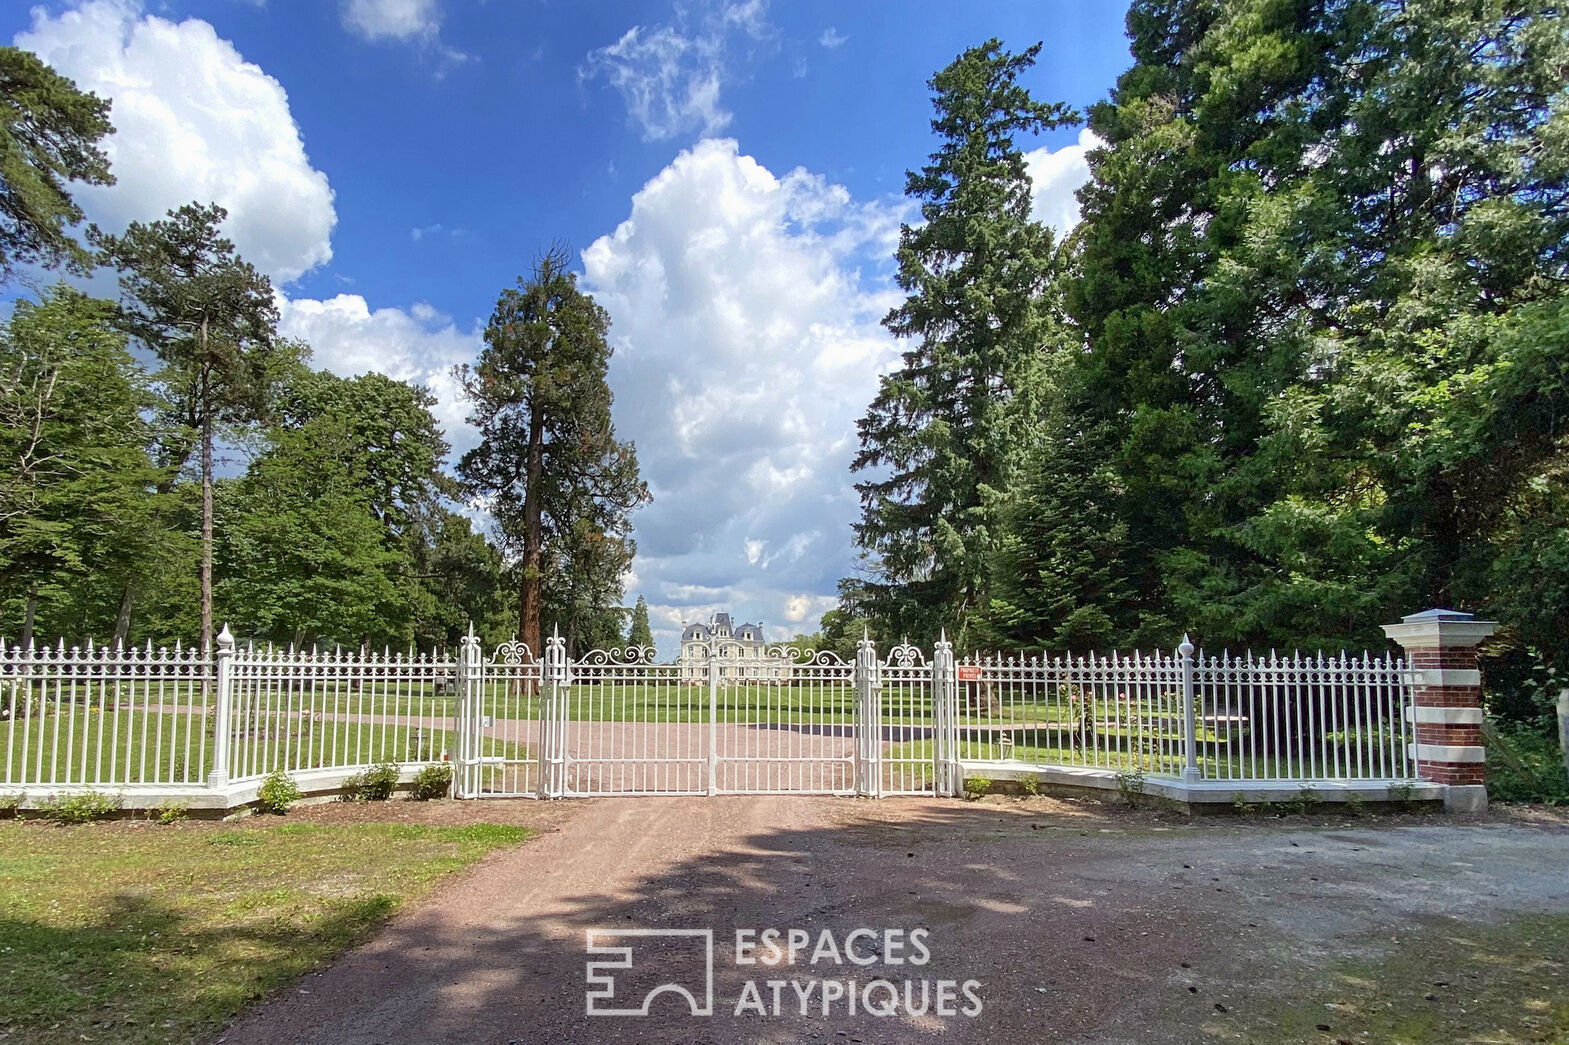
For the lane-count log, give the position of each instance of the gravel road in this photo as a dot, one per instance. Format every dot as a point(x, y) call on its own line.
point(1079, 924)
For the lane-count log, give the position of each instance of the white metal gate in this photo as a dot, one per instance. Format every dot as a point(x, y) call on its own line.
point(730, 721)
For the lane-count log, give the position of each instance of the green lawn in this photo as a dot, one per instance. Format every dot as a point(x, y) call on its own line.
point(131, 932)
point(1131, 749)
point(136, 747)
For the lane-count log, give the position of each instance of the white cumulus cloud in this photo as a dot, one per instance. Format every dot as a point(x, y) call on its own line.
point(745, 309)
point(1057, 175)
point(194, 121)
point(420, 346)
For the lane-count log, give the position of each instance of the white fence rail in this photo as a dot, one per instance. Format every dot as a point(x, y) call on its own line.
point(299, 711)
point(618, 722)
point(1220, 717)
point(101, 716)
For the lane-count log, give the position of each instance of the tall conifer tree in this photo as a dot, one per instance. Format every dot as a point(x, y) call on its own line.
point(937, 440)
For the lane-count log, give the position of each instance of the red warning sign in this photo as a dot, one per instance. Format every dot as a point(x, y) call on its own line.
point(969, 672)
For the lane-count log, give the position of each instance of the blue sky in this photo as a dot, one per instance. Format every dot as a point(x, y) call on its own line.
point(729, 172)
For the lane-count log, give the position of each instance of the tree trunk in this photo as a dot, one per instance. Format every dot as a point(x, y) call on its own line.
point(206, 500)
point(122, 620)
point(533, 535)
point(29, 615)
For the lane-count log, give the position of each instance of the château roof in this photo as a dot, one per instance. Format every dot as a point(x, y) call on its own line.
point(699, 632)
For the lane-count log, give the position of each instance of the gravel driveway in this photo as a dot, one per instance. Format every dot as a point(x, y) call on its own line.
point(1080, 924)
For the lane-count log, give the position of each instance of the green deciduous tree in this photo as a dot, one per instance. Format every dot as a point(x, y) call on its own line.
point(400, 445)
point(558, 482)
point(210, 319)
point(938, 440)
point(49, 135)
point(461, 580)
point(306, 557)
point(75, 479)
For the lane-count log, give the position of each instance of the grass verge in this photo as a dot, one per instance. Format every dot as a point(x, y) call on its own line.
point(131, 932)
point(1504, 984)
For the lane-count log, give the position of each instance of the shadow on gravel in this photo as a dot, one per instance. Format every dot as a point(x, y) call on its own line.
point(1082, 926)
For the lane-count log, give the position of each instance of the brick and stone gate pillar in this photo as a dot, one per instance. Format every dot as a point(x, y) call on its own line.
point(1446, 702)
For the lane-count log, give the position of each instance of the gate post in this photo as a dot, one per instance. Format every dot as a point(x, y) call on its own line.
point(1190, 736)
point(868, 720)
point(713, 717)
point(948, 776)
point(1446, 702)
point(552, 730)
point(1563, 726)
point(218, 779)
point(466, 783)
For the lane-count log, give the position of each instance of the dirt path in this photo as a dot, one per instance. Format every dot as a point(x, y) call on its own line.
point(1080, 925)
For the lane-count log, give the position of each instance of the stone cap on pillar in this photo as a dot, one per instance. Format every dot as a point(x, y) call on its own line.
point(1438, 627)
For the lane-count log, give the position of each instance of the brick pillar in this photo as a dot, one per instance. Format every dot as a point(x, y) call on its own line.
point(1446, 702)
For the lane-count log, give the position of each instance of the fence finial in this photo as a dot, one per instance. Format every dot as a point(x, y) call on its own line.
point(1186, 649)
point(225, 637)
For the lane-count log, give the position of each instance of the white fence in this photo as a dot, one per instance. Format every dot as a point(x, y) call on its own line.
point(1294, 718)
point(618, 722)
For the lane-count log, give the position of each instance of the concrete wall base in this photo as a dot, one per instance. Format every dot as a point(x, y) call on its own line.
point(201, 801)
point(1465, 798)
point(1210, 795)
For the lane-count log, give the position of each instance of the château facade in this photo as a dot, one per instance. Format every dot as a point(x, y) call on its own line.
point(741, 649)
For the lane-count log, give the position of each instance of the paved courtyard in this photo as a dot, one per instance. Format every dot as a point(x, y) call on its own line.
point(1080, 924)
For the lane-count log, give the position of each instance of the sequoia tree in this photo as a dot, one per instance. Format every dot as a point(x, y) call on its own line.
point(557, 481)
point(937, 441)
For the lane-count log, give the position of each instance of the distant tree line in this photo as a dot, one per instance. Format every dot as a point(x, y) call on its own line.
point(168, 460)
point(1299, 370)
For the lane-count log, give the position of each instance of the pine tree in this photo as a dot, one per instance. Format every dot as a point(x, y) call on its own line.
point(937, 440)
point(209, 317)
point(49, 135)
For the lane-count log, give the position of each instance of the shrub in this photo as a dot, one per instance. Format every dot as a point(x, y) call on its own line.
point(1306, 799)
point(976, 786)
point(170, 812)
point(10, 803)
point(1525, 765)
point(375, 784)
point(277, 793)
point(1030, 785)
point(433, 781)
point(81, 808)
point(1130, 784)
